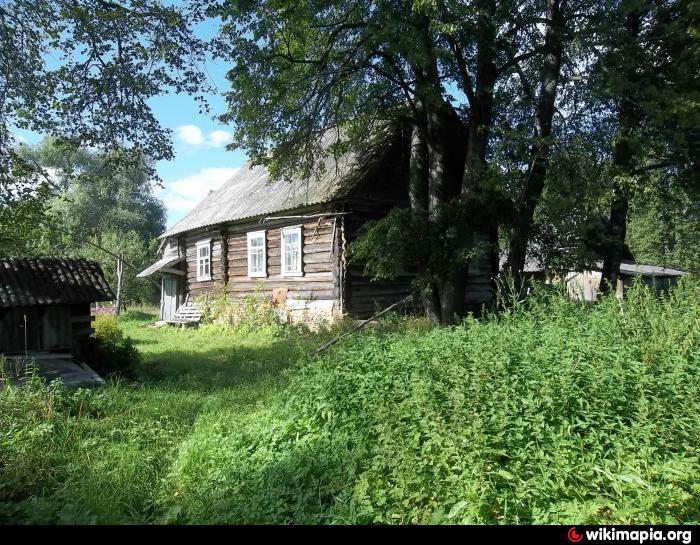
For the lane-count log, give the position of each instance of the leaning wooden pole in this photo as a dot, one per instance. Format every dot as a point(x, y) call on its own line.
point(120, 279)
point(360, 325)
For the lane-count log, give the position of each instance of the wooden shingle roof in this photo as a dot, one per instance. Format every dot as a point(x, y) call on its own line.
point(51, 281)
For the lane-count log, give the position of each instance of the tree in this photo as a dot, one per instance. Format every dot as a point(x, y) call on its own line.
point(89, 207)
point(301, 69)
point(556, 22)
point(83, 71)
point(650, 72)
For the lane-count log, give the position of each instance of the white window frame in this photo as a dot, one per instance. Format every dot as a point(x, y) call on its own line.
point(290, 230)
point(200, 244)
point(251, 236)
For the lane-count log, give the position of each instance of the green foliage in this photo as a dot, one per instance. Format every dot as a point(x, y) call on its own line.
point(106, 329)
point(22, 229)
point(405, 237)
point(384, 247)
point(552, 412)
point(89, 202)
point(251, 311)
point(112, 353)
point(87, 72)
point(664, 227)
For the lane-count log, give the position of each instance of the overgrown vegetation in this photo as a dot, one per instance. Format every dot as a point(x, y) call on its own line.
point(111, 352)
point(550, 412)
point(253, 310)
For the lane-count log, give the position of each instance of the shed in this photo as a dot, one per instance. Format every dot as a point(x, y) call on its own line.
point(582, 282)
point(45, 303)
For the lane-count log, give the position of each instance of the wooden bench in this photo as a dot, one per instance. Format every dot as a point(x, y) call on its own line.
point(187, 314)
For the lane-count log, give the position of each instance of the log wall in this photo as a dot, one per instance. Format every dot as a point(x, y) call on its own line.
point(316, 292)
point(386, 188)
point(189, 241)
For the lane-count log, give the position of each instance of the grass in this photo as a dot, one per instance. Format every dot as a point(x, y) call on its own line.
point(551, 413)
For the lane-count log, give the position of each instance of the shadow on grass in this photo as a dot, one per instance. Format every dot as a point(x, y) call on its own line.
point(220, 367)
point(144, 341)
point(139, 316)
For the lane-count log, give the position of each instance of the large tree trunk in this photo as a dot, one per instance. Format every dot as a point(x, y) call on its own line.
point(418, 197)
point(451, 280)
point(615, 243)
point(480, 123)
point(540, 151)
point(623, 157)
point(436, 127)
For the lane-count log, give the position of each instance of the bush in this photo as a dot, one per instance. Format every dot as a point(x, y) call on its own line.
point(251, 312)
point(110, 352)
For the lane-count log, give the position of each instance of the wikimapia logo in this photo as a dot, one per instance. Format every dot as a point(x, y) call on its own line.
point(635, 536)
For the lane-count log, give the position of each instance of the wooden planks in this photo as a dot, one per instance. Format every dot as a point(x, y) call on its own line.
point(319, 264)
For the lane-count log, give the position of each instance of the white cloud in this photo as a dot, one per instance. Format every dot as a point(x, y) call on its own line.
point(219, 138)
point(193, 135)
point(185, 193)
point(190, 134)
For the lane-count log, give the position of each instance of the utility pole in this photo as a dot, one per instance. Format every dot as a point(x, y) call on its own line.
point(120, 279)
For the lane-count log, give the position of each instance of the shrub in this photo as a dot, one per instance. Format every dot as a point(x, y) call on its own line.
point(110, 352)
point(251, 311)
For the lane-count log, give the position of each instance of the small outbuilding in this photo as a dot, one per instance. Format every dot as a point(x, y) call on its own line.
point(582, 283)
point(45, 304)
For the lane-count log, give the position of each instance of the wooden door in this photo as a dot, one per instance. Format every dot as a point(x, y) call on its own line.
point(169, 297)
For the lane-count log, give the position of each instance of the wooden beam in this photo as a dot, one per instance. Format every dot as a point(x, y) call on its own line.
point(174, 271)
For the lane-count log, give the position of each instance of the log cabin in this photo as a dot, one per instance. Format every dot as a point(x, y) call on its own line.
point(286, 239)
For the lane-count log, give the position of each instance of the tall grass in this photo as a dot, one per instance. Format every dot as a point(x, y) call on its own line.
point(552, 412)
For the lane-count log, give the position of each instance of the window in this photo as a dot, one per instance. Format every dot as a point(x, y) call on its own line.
point(204, 260)
point(291, 251)
point(256, 254)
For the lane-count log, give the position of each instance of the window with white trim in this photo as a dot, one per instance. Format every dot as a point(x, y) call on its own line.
point(204, 260)
point(291, 251)
point(256, 254)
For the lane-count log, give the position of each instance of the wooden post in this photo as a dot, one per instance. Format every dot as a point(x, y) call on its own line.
point(120, 278)
point(25, 335)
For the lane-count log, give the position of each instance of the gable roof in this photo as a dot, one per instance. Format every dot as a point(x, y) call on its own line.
point(51, 281)
point(250, 192)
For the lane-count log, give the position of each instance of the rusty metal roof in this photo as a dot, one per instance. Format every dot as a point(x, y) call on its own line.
point(251, 192)
point(51, 281)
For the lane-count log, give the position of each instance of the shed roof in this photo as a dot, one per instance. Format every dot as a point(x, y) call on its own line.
point(632, 268)
point(51, 281)
point(162, 263)
point(251, 192)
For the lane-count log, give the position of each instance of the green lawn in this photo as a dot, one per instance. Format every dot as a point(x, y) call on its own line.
point(552, 413)
point(108, 451)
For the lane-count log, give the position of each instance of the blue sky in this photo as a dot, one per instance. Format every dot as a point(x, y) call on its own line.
point(201, 161)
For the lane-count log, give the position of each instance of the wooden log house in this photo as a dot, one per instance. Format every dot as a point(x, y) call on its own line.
point(287, 239)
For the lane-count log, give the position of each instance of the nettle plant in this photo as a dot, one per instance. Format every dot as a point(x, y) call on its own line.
point(255, 310)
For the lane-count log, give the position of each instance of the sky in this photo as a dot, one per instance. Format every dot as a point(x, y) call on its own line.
point(201, 161)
